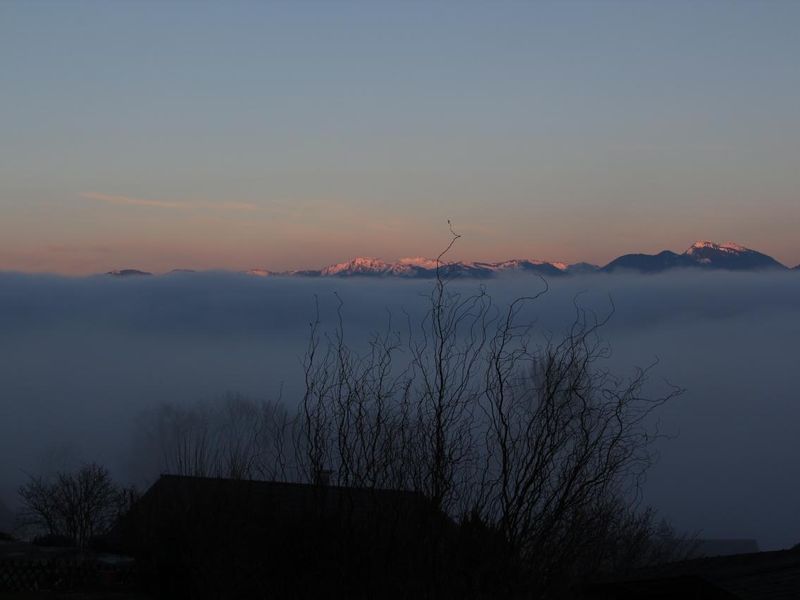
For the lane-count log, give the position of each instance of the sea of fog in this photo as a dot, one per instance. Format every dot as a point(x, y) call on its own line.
point(81, 359)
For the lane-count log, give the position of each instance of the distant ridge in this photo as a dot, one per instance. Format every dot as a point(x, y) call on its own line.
point(581, 268)
point(650, 263)
point(426, 268)
point(128, 273)
point(701, 255)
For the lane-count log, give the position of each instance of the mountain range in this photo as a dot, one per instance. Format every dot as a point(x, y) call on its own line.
point(700, 255)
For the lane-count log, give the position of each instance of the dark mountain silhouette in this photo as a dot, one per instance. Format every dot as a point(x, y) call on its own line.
point(128, 273)
point(581, 268)
point(730, 256)
point(701, 254)
point(650, 263)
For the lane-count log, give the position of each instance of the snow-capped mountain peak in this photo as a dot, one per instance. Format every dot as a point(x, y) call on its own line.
point(526, 264)
point(258, 272)
point(362, 265)
point(730, 256)
point(420, 261)
point(729, 247)
point(514, 263)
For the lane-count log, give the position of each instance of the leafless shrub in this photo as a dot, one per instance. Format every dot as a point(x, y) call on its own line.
point(78, 505)
point(235, 438)
point(536, 441)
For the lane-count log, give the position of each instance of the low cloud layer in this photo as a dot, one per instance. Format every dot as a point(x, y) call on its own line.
point(82, 358)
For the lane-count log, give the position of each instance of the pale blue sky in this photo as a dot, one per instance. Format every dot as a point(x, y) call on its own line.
point(294, 134)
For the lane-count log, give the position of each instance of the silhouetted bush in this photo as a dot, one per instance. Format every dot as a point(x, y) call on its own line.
point(77, 506)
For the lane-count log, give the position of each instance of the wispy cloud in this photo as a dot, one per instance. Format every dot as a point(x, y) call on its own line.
point(245, 206)
point(128, 201)
point(78, 249)
point(171, 204)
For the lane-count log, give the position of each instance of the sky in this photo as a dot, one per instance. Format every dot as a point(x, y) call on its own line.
point(280, 135)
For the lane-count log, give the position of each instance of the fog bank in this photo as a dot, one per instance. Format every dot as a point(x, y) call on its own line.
point(82, 358)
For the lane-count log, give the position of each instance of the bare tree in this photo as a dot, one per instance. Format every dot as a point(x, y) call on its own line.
point(531, 436)
point(566, 442)
point(233, 437)
point(78, 505)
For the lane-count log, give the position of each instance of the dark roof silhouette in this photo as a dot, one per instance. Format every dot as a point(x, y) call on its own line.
point(723, 547)
point(208, 503)
point(281, 498)
point(198, 537)
point(756, 576)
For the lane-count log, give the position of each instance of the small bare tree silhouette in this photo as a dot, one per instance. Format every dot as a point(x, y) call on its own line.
point(75, 505)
